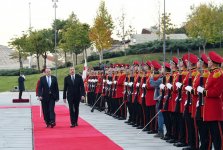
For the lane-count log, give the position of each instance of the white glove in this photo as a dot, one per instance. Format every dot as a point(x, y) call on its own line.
point(131, 83)
point(178, 84)
point(103, 81)
point(188, 88)
point(23, 76)
point(115, 82)
point(200, 89)
point(143, 85)
point(125, 83)
point(169, 86)
point(137, 84)
point(162, 86)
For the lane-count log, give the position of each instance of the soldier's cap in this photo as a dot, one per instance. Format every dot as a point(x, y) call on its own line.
point(143, 64)
point(127, 65)
point(122, 65)
point(190, 57)
point(215, 57)
point(204, 58)
point(149, 63)
point(175, 60)
point(156, 65)
point(136, 63)
point(167, 65)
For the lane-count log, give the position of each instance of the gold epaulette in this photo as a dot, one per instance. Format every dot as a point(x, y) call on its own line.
point(194, 73)
point(184, 72)
point(217, 74)
point(206, 73)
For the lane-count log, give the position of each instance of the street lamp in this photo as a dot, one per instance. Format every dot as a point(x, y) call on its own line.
point(55, 35)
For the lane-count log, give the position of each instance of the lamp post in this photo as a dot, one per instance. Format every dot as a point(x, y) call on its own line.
point(30, 28)
point(55, 35)
point(164, 34)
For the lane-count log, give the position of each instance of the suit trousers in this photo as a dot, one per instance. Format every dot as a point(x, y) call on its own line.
point(74, 110)
point(48, 110)
point(214, 127)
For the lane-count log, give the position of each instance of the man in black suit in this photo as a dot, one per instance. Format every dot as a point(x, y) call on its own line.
point(21, 81)
point(48, 93)
point(74, 92)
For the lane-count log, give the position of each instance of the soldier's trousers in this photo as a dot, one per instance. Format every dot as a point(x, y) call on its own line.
point(129, 106)
point(190, 131)
point(214, 127)
point(168, 123)
point(204, 135)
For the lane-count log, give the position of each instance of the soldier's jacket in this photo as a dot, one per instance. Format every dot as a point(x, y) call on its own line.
point(150, 91)
point(136, 78)
point(174, 92)
point(213, 100)
point(120, 85)
point(196, 83)
point(99, 83)
point(194, 72)
point(140, 96)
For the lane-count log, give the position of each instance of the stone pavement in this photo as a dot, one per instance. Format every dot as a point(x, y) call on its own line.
point(16, 126)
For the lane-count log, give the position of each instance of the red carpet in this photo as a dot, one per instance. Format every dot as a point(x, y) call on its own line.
point(62, 137)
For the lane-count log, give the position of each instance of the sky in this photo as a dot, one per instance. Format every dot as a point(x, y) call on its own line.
point(14, 14)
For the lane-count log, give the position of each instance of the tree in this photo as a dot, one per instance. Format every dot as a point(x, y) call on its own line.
point(100, 33)
point(124, 31)
point(204, 22)
point(168, 25)
point(20, 45)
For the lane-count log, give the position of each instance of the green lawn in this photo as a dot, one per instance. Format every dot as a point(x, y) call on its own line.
point(8, 83)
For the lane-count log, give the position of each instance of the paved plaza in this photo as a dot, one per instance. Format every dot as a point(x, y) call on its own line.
point(16, 126)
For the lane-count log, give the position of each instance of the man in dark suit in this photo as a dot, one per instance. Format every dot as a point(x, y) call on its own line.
point(74, 92)
point(21, 81)
point(48, 93)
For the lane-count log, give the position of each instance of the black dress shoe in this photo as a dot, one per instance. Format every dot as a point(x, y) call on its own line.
point(47, 125)
point(135, 125)
point(166, 138)
point(139, 127)
point(179, 144)
point(127, 121)
point(53, 124)
point(145, 129)
point(151, 132)
point(171, 141)
point(76, 124)
point(72, 125)
point(188, 148)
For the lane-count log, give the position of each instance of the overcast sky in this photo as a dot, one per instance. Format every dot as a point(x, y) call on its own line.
point(14, 14)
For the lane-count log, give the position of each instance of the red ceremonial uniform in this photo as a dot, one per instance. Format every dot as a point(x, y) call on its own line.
point(213, 100)
point(196, 83)
point(99, 84)
point(120, 85)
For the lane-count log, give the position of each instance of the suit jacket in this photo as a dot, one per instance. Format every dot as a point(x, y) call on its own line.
point(45, 91)
point(73, 91)
point(21, 83)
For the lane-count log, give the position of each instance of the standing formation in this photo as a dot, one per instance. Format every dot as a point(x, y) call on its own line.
point(184, 95)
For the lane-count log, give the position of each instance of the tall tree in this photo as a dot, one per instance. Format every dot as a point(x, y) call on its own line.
point(20, 45)
point(124, 31)
point(100, 33)
point(204, 22)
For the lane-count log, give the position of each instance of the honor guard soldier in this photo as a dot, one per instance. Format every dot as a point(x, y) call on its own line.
point(212, 91)
point(190, 132)
point(201, 130)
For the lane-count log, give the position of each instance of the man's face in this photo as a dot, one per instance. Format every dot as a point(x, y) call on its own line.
point(210, 63)
point(48, 72)
point(72, 71)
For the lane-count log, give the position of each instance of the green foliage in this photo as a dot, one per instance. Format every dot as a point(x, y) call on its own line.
point(106, 55)
point(16, 72)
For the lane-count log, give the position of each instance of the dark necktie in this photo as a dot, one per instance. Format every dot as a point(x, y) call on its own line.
point(72, 77)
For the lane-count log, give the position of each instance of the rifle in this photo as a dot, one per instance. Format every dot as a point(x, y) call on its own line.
point(126, 88)
point(130, 91)
point(115, 85)
point(188, 102)
point(200, 95)
point(179, 96)
point(160, 106)
point(144, 91)
point(137, 89)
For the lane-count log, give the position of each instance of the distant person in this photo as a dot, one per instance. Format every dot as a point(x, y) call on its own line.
point(21, 81)
point(74, 92)
point(48, 93)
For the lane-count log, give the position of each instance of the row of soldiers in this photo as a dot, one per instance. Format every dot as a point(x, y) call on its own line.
point(186, 95)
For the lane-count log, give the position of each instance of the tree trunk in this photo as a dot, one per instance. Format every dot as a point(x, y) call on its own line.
point(76, 58)
point(65, 58)
point(45, 56)
point(101, 55)
point(37, 58)
point(20, 61)
point(73, 58)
